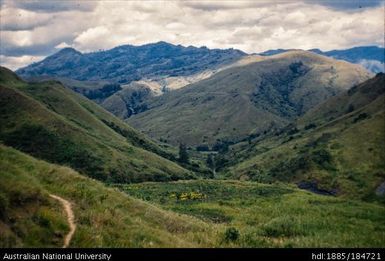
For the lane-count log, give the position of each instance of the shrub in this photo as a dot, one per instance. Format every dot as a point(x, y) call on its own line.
point(3, 206)
point(231, 234)
point(183, 155)
point(221, 146)
point(361, 117)
point(350, 108)
point(310, 126)
point(202, 148)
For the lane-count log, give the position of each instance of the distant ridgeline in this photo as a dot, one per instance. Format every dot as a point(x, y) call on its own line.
point(371, 57)
point(127, 63)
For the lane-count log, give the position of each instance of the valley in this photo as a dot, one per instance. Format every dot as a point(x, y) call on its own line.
point(201, 213)
point(251, 99)
point(223, 149)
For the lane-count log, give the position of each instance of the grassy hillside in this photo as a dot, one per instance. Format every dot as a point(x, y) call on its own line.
point(337, 147)
point(93, 90)
point(249, 214)
point(104, 216)
point(135, 97)
point(53, 123)
point(129, 100)
point(196, 213)
point(247, 100)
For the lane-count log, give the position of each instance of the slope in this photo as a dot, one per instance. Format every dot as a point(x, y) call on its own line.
point(52, 122)
point(246, 100)
point(230, 213)
point(104, 216)
point(335, 148)
point(134, 97)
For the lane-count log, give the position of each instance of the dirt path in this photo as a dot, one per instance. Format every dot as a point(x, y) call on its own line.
point(70, 218)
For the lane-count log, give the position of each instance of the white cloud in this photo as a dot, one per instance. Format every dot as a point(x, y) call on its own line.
point(252, 26)
point(62, 45)
point(14, 63)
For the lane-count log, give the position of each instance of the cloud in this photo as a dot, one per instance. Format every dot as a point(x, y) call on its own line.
point(14, 63)
point(62, 45)
point(373, 65)
point(13, 19)
point(252, 26)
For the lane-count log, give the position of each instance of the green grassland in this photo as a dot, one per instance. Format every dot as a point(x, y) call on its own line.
point(250, 214)
point(104, 216)
point(252, 200)
point(200, 213)
point(339, 145)
point(246, 100)
point(53, 123)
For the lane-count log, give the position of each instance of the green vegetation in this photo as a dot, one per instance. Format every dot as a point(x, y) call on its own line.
point(224, 213)
point(338, 150)
point(249, 214)
point(183, 155)
point(53, 123)
point(262, 95)
point(334, 149)
point(104, 216)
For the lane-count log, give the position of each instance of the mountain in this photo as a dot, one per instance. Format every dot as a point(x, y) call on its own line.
point(200, 213)
point(133, 97)
point(248, 99)
point(335, 148)
point(277, 51)
point(371, 57)
point(127, 63)
point(53, 123)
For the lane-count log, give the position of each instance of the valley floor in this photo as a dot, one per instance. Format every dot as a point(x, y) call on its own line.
point(250, 214)
point(195, 213)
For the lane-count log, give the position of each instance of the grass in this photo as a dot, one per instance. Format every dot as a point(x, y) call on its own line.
point(269, 215)
point(250, 99)
point(104, 216)
point(53, 123)
point(200, 213)
point(343, 154)
point(28, 216)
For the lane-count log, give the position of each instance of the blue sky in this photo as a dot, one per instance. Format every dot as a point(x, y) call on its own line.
point(31, 30)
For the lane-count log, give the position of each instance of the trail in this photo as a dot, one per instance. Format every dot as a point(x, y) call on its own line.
point(70, 218)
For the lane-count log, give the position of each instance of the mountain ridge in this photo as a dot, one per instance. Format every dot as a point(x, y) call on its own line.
point(371, 57)
point(126, 63)
point(252, 98)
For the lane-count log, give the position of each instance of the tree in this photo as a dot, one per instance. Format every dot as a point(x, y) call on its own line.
point(183, 155)
point(211, 164)
point(210, 161)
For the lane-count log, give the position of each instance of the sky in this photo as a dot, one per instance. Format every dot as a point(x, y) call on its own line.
point(32, 29)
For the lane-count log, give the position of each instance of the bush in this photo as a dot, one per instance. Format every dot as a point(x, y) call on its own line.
point(231, 234)
point(310, 126)
point(361, 117)
point(183, 155)
point(221, 146)
point(202, 148)
point(3, 206)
